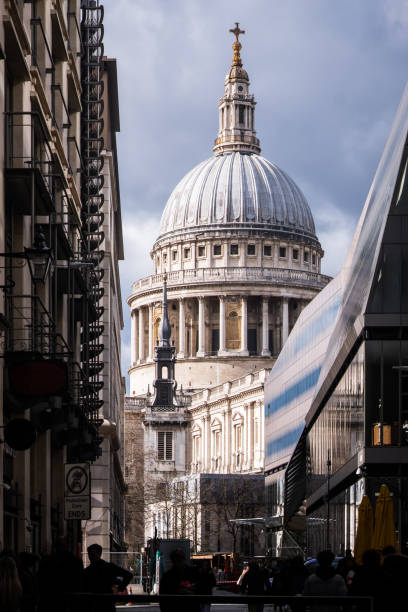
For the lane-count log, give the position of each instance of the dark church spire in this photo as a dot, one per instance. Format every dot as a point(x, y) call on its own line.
point(165, 358)
point(165, 328)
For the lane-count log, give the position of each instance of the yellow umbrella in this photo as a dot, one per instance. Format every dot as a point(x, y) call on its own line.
point(364, 533)
point(384, 529)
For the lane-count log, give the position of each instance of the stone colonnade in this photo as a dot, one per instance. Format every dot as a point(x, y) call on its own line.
point(143, 317)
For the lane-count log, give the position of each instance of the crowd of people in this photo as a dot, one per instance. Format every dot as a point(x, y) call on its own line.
point(380, 576)
point(23, 589)
point(29, 584)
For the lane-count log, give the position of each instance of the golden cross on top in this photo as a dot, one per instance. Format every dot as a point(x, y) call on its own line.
point(236, 31)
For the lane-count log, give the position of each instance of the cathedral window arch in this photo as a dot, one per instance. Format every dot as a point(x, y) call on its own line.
point(216, 444)
point(196, 434)
point(238, 437)
point(156, 329)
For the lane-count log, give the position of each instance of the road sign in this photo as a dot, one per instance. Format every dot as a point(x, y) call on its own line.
point(77, 508)
point(77, 480)
point(77, 500)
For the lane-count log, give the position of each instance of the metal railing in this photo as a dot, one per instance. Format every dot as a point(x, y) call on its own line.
point(28, 145)
point(32, 327)
point(92, 602)
point(278, 276)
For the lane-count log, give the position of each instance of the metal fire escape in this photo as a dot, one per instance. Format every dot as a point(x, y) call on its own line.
point(92, 181)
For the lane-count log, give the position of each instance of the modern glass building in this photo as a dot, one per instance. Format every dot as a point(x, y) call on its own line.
point(336, 402)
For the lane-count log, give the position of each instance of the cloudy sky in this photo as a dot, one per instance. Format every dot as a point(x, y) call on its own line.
point(327, 76)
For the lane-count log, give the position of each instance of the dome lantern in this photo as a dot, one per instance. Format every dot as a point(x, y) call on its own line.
point(236, 108)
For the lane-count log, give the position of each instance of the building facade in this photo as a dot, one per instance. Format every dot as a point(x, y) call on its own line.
point(238, 244)
point(106, 525)
point(335, 411)
point(51, 262)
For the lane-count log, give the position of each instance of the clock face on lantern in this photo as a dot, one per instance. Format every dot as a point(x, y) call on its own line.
point(240, 88)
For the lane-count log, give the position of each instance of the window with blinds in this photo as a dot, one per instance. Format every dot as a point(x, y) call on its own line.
point(165, 445)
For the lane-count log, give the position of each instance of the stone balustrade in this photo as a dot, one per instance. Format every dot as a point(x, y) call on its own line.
point(277, 276)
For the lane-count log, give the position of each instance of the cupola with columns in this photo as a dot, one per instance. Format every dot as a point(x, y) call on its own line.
point(237, 242)
point(236, 108)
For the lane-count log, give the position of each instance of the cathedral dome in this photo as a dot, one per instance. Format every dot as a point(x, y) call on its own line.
point(238, 191)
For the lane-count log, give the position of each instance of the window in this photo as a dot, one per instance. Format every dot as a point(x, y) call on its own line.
point(295, 254)
point(164, 257)
point(314, 259)
point(165, 445)
point(241, 111)
point(306, 256)
point(251, 249)
point(186, 253)
point(217, 249)
point(267, 250)
point(174, 255)
point(201, 251)
point(234, 249)
point(282, 251)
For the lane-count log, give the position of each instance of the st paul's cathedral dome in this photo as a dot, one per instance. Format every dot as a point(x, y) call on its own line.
point(238, 246)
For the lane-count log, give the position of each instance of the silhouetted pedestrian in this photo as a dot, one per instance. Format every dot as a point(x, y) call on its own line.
point(103, 577)
point(57, 575)
point(325, 581)
point(205, 583)
point(294, 576)
point(370, 578)
point(181, 579)
point(25, 567)
point(395, 569)
point(11, 590)
point(254, 582)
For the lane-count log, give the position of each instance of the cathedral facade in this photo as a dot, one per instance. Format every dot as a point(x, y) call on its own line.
point(238, 249)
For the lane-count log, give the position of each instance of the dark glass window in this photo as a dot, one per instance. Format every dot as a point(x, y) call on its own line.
point(267, 250)
point(295, 253)
point(234, 249)
point(201, 251)
point(217, 249)
point(251, 249)
point(174, 255)
point(186, 253)
point(314, 259)
point(282, 251)
point(241, 110)
point(306, 256)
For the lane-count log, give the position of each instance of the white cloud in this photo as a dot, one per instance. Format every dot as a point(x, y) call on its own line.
point(335, 231)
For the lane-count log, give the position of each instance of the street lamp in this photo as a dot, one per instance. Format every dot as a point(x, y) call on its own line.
point(38, 257)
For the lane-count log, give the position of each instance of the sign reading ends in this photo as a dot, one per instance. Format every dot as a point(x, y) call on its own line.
point(77, 504)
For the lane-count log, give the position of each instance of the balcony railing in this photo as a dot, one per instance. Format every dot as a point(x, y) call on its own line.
point(278, 276)
point(32, 328)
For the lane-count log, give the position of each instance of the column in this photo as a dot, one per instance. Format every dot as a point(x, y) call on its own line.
point(228, 438)
point(133, 337)
point(201, 328)
point(141, 335)
point(151, 350)
point(182, 329)
point(265, 328)
point(221, 348)
point(223, 441)
point(251, 441)
point(244, 326)
point(245, 440)
point(285, 320)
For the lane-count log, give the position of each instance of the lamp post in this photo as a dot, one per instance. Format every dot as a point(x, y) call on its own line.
point(38, 257)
